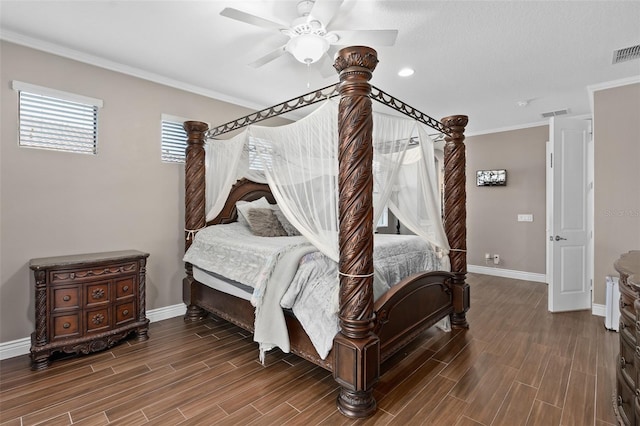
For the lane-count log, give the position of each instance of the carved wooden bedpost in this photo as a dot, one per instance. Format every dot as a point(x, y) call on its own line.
point(356, 349)
point(194, 202)
point(455, 207)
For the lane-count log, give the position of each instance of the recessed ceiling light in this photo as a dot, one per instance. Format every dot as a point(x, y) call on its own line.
point(405, 72)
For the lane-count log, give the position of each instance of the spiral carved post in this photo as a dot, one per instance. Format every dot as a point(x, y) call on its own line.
point(356, 349)
point(142, 332)
point(194, 201)
point(455, 207)
point(39, 355)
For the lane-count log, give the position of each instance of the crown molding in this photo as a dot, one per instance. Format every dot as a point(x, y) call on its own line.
point(509, 128)
point(55, 49)
point(614, 83)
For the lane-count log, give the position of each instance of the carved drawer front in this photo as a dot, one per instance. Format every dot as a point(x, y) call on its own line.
point(83, 274)
point(625, 401)
point(66, 326)
point(125, 287)
point(626, 360)
point(125, 312)
point(97, 320)
point(65, 298)
point(627, 299)
point(97, 294)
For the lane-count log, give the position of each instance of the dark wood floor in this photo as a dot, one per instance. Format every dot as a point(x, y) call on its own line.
point(517, 365)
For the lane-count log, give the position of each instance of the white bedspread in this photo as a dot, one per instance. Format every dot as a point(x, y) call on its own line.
point(289, 272)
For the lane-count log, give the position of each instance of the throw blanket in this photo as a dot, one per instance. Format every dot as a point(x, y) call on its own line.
point(313, 295)
point(268, 267)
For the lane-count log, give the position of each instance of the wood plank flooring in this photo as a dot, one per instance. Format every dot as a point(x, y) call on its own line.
point(517, 365)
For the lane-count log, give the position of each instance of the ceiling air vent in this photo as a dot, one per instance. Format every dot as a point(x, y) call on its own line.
point(555, 113)
point(626, 54)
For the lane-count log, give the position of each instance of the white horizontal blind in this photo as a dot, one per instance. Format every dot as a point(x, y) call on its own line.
point(174, 141)
point(52, 119)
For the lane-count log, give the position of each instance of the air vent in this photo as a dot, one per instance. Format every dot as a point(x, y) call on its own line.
point(555, 113)
point(626, 54)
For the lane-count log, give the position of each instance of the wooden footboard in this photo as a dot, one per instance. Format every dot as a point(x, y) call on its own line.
point(405, 311)
point(410, 307)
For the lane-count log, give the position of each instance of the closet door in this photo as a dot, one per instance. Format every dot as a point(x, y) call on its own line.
point(567, 224)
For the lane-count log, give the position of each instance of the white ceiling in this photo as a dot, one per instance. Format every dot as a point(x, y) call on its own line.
point(478, 58)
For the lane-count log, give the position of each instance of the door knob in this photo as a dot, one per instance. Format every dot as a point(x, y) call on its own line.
point(558, 238)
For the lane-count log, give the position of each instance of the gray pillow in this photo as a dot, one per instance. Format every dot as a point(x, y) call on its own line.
point(264, 223)
point(288, 227)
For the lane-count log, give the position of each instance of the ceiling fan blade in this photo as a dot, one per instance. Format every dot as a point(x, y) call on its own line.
point(324, 11)
point(274, 54)
point(248, 18)
point(366, 37)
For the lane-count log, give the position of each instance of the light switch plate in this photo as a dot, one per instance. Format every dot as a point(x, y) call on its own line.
point(525, 218)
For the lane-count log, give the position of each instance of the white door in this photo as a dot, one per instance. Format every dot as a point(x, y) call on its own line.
point(567, 224)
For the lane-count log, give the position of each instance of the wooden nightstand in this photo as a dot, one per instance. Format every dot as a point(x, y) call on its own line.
point(88, 302)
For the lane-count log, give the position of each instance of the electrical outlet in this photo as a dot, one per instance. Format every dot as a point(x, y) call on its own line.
point(496, 259)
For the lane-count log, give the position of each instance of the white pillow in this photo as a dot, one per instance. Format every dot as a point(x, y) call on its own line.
point(243, 208)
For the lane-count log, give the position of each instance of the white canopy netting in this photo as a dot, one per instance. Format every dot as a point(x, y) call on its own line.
point(299, 161)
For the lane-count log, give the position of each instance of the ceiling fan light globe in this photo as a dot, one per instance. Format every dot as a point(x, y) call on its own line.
point(308, 48)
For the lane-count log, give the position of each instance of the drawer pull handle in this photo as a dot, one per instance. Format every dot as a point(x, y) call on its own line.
point(97, 319)
point(66, 325)
point(637, 392)
point(125, 312)
point(98, 293)
point(125, 288)
point(623, 362)
point(66, 298)
point(620, 400)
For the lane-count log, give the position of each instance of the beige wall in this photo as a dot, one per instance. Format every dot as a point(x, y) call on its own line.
point(492, 212)
point(617, 179)
point(55, 203)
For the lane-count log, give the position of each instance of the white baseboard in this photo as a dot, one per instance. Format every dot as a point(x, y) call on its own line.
point(507, 273)
point(21, 346)
point(598, 310)
point(167, 312)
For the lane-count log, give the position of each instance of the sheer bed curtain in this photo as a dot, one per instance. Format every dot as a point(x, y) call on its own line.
point(300, 163)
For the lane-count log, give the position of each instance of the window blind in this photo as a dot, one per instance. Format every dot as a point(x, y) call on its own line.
point(49, 122)
point(174, 141)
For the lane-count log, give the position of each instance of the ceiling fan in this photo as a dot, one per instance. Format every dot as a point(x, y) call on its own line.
point(309, 35)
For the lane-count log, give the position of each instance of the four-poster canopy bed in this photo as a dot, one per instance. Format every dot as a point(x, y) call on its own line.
point(370, 331)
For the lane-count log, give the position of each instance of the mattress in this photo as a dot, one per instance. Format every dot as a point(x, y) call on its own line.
point(231, 259)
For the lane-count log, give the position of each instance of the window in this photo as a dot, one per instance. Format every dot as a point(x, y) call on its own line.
point(56, 120)
point(383, 222)
point(174, 139)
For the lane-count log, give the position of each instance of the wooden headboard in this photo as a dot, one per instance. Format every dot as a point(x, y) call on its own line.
point(245, 190)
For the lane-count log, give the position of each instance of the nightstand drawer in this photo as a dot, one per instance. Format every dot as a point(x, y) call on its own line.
point(84, 274)
point(125, 287)
point(65, 298)
point(125, 312)
point(97, 320)
point(97, 293)
point(66, 326)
